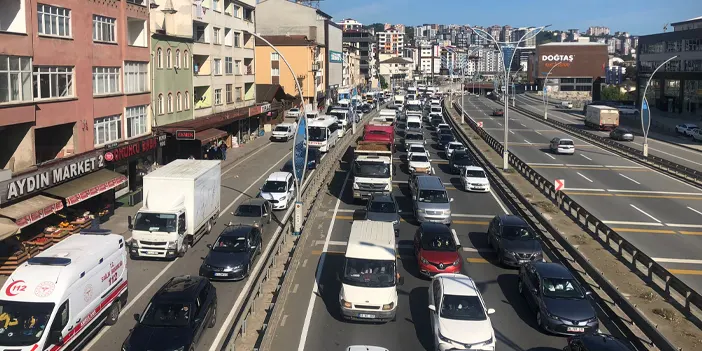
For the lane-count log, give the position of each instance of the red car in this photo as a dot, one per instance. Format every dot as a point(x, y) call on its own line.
point(498, 112)
point(436, 248)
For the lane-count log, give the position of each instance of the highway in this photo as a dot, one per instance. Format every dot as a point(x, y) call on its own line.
point(659, 214)
point(663, 146)
point(310, 317)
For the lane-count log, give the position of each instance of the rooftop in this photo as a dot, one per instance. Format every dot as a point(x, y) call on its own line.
point(568, 43)
point(285, 40)
point(688, 20)
point(399, 60)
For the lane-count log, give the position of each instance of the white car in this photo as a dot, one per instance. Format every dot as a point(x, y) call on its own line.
point(685, 128)
point(451, 147)
point(474, 179)
point(284, 132)
point(294, 112)
point(417, 149)
point(419, 163)
point(279, 190)
point(562, 146)
point(697, 134)
point(628, 110)
point(458, 316)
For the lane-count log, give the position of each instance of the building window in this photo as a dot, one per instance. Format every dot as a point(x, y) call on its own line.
point(199, 34)
point(248, 15)
point(275, 56)
point(228, 65)
point(237, 39)
point(136, 77)
point(107, 130)
point(15, 78)
point(105, 80)
point(229, 94)
point(176, 60)
point(218, 96)
point(53, 20)
point(186, 59)
point(159, 104)
point(217, 67)
point(215, 34)
point(215, 5)
point(275, 72)
point(104, 29)
point(237, 67)
point(179, 102)
point(168, 58)
point(53, 82)
point(170, 103)
point(159, 58)
point(136, 121)
point(237, 11)
point(186, 101)
point(237, 93)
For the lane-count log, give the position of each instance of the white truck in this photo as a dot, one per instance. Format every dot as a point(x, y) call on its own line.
point(372, 168)
point(601, 117)
point(181, 204)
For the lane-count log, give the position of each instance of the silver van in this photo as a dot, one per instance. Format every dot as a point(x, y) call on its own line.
point(430, 199)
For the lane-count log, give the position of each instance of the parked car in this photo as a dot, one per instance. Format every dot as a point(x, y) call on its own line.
point(498, 112)
point(279, 189)
point(436, 249)
point(621, 133)
point(176, 316)
point(233, 253)
point(685, 128)
point(474, 179)
point(561, 304)
point(628, 110)
point(513, 240)
point(255, 212)
point(383, 208)
point(596, 342)
point(294, 112)
point(562, 146)
point(460, 159)
point(283, 132)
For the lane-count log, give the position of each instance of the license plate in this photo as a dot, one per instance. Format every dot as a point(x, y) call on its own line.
point(152, 252)
point(576, 329)
point(363, 315)
point(220, 274)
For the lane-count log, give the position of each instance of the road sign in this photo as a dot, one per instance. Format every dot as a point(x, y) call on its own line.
point(297, 223)
point(559, 184)
point(480, 124)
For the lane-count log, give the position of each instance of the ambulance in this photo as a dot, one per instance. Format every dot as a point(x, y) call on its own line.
point(55, 300)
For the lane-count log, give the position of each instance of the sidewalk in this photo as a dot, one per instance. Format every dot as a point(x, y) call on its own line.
point(118, 221)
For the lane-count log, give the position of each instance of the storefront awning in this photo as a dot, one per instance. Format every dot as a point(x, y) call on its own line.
point(31, 210)
point(208, 135)
point(87, 186)
point(8, 228)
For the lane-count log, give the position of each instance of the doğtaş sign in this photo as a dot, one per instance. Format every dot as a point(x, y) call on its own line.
point(557, 58)
point(583, 60)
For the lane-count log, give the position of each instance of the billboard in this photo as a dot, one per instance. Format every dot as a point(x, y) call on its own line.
point(571, 60)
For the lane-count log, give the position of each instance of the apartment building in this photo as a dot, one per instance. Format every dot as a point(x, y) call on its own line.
point(351, 75)
point(596, 31)
point(429, 59)
point(391, 42)
point(364, 40)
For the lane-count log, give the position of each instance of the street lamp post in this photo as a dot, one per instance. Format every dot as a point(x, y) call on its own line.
point(514, 90)
point(545, 99)
point(645, 111)
point(303, 120)
point(507, 66)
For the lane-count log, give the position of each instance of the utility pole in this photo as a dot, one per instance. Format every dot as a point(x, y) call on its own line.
point(432, 64)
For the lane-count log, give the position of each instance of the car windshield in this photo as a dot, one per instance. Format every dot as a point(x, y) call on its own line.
point(273, 186)
point(382, 207)
point(369, 273)
point(623, 131)
point(419, 158)
point(281, 129)
point(155, 222)
point(435, 109)
point(433, 196)
point(341, 116)
point(438, 242)
point(166, 315)
point(463, 308)
point(455, 146)
point(417, 149)
point(248, 211)
point(565, 142)
point(371, 169)
point(413, 107)
point(23, 323)
point(560, 288)
point(445, 137)
point(294, 110)
point(317, 133)
point(475, 174)
point(518, 233)
point(413, 136)
point(230, 244)
point(414, 125)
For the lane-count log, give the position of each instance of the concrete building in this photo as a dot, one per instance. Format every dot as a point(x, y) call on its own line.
point(351, 73)
point(506, 34)
point(364, 41)
point(429, 59)
point(597, 31)
point(396, 69)
point(350, 24)
point(529, 41)
point(391, 42)
point(71, 80)
point(305, 56)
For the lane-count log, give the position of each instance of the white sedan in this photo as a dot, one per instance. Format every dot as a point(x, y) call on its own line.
point(562, 146)
point(419, 163)
point(474, 179)
point(685, 128)
point(453, 146)
point(459, 318)
point(294, 112)
point(628, 110)
point(417, 149)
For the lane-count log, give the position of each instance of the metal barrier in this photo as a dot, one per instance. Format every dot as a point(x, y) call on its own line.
point(687, 300)
point(258, 278)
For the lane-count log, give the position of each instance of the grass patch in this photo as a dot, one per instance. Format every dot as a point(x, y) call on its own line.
point(547, 206)
point(665, 313)
point(647, 296)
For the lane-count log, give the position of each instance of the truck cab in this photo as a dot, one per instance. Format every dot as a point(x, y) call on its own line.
point(372, 168)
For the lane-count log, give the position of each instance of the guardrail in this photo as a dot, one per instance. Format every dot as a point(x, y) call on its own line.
point(247, 306)
point(685, 298)
point(659, 163)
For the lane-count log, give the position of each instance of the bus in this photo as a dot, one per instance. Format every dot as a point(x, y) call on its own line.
point(323, 133)
point(344, 117)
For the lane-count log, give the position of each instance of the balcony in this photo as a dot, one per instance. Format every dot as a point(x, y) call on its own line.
point(202, 100)
point(201, 33)
point(136, 32)
point(12, 17)
point(250, 92)
point(202, 65)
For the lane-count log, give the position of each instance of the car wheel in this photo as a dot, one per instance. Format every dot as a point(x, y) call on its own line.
point(184, 249)
point(209, 226)
point(113, 314)
point(213, 319)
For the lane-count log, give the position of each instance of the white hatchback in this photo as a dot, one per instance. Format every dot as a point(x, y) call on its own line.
point(279, 190)
point(474, 179)
point(417, 149)
point(453, 146)
point(419, 163)
point(562, 146)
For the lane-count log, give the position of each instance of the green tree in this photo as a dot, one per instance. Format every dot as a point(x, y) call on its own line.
point(612, 93)
point(383, 83)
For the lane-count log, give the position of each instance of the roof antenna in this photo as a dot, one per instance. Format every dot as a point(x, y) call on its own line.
point(665, 27)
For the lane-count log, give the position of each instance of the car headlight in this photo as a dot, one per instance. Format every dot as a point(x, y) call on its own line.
point(388, 306)
point(507, 252)
point(420, 210)
point(172, 244)
point(345, 303)
point(552, 316)
point(444, 339)
point(424, 260)
point(282, 198)
point(457, 261)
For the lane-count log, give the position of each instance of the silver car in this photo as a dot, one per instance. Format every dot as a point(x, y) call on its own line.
point(412, 138)
point(430, 199)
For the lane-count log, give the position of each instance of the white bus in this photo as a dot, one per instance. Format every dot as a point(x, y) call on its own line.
point(344, 118)
point(323, 133)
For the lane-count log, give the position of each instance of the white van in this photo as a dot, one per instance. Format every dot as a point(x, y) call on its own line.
point(323, 133)
point(436, 109)
point(51, 301)
point(369, 279)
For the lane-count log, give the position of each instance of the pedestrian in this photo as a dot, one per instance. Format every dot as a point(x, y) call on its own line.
point(212, 153)
point(223, 148)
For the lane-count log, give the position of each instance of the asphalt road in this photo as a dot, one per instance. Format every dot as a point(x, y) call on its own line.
point(310, 320)
point(660, 215)
point(660, 145)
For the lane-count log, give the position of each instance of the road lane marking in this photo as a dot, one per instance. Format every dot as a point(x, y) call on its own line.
point(476, 260)
point(346, 210)
point(537, 132)
point(551, 156)
point(653, 192)
point(332, 242)
point(644, 212)
point(685, 271)
point(630, 179)
point(526, 141)
point(684, 232)
point(282, 322)
point(595, 166)
point(587, 158)
point(472, 249)
point(545, 164)
point(586, 178)
point(584, 189)
point(676, 260)
point(512, 132)
point(653, 224)
point(693, 210)
point(650, 231)
point(294, 290)
point(676, 225)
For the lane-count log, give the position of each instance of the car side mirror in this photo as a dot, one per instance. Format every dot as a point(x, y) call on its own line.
point(432, 307)
point(56, 337)
point(265, 215)
point(451, 200)
point(129, 223)
point(588, 293)
point(490, 311)
point(209, 246)
point(136, 317)
point(401, 281)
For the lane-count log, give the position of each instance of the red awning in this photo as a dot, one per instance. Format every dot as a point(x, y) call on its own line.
point(87, 186)
point(208, 135)
point(31, 210)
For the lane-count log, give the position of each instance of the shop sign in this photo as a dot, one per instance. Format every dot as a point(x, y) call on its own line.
point(557, 58)
point(50, 176)
point(257, 110)
point(162, 140)
point(132, 149)
point(185, 135)
point(336, 57)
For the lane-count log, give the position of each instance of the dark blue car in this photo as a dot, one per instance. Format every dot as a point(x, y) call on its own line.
point(314, 157)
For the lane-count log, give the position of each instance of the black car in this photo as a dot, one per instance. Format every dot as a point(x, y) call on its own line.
point(513, 240)
point(596, 342)
point(443, 129)
point(562, 306)
point(621, 133)
point(460, 159)
point(231, 256)
point(383, 208)
point(366, 108)
point(444, 139)
point(435, 121)
point(254, 212)
point(176, 316)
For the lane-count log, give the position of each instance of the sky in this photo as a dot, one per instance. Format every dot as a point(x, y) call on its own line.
point(638, 17)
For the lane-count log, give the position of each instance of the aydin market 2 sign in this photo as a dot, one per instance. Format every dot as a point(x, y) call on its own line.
point(557, 58)
point(336, 57)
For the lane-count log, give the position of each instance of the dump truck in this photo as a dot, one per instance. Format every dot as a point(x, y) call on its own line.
point(372, 168)
point(601, 117)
